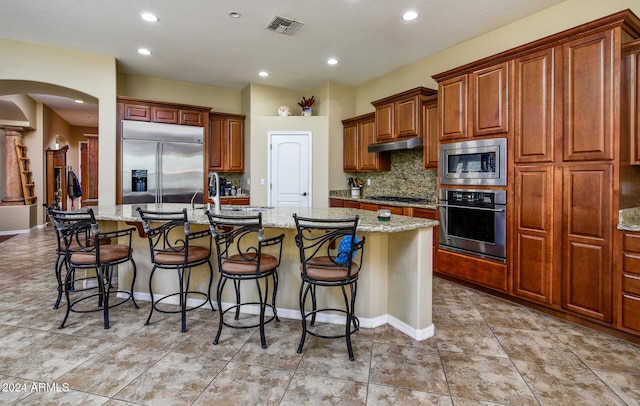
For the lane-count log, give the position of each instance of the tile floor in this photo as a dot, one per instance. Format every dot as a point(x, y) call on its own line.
point(485, 351)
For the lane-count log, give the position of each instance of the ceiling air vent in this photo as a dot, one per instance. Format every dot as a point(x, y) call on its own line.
point(284, 25)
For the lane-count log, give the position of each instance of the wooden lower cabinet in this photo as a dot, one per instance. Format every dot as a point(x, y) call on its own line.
point(237, 201)
point(629, 313)
point(476, 270)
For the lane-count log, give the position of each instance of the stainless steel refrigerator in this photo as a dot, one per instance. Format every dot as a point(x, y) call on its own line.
point(161, 163)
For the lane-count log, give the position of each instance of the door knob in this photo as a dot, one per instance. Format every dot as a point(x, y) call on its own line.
point(303, 194)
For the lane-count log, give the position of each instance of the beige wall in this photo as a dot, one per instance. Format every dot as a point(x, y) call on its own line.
point(92, 74)
point(568, 14)
point(218, 98)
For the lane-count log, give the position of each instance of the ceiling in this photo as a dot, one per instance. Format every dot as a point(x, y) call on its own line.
point(196, 41)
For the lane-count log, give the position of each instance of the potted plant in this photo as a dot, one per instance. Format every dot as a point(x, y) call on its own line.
point(306, 105)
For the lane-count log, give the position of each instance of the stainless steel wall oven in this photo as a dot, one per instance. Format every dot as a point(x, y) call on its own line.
point(473, 222)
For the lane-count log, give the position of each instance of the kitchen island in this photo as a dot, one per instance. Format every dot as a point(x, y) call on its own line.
point(395, 285)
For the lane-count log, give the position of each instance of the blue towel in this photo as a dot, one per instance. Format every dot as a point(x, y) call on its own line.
point(343, 250)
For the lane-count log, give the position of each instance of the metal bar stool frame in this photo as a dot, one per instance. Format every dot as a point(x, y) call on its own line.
point(86, 247)
point(326, 261)
point(239, 242)
point(172, 252)
point(61, 250)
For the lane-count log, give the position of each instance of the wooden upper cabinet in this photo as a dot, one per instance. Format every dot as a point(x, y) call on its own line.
point(190, 117)
point(630, 100)
point(164, 115)
point(475, 104)
point(533, 121)
point(384, 119)
point(400, 116)
point(431, 150)
point(236, 144)
point(489, 100)
point(226, 142)
point(358, 133)
point(137, 112)
point(588, 97)
point(452, 99)
point(162, 112)
point(370, 161)
point(407, 117)
point(350, 148)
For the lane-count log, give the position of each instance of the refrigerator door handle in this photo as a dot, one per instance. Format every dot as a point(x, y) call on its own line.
point(159, 190)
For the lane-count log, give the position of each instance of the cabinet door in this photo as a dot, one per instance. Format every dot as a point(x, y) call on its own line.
point(533, 233)
point(631, 84)
point(588, 98)
point(235, 147)
point(489, 100)
point(190, 117)
point(587, 244)
point(350, 148)
point(164, 115)
point(368, 161)
point(335, 202)
point(431, 149)
point(534, 108)
point(216, 145)
point(384, 122)
point(407, 119)
point(452, 99)
point(137, 112)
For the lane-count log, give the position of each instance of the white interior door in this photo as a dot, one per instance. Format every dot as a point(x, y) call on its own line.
point(289, 168)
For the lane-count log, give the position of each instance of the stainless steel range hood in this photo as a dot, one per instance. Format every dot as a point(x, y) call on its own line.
point(409, 143)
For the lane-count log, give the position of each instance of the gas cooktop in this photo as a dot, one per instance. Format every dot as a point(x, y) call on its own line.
point(399, 199)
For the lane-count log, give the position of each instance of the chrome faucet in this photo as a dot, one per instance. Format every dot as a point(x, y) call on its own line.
point(214, 190)
point(193, 206)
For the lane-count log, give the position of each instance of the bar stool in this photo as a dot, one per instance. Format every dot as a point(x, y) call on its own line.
point(330, 256)
point(239, 243)
point(86, 247)
point(61, 250)
point(171, 247)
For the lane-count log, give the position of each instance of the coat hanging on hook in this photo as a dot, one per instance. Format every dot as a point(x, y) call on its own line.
point(75, 190)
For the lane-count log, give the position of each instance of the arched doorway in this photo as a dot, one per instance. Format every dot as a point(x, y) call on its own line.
point(49, 117)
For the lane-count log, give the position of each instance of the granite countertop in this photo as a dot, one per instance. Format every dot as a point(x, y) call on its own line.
point(428, 205)
point(279, 217)
point(629, 219)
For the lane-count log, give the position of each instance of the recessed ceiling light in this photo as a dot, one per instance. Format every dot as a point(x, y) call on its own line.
point(144, 51)
point(410, 15)
point(332, 61)
point(149, 17)
point(234, 14)
point(264, 74)
point(79, 101)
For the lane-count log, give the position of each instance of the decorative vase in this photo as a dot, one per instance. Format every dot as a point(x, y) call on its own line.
point(306, 111)
point(284, 111)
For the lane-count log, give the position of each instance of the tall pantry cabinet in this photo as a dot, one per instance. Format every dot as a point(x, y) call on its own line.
point(568, 172)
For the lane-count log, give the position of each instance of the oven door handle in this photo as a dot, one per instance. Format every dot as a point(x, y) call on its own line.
point(472, 208)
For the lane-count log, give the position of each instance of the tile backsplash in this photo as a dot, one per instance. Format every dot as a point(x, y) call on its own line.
point(407, 177)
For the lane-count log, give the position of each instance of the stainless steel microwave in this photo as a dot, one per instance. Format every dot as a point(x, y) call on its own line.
point(478, 162)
